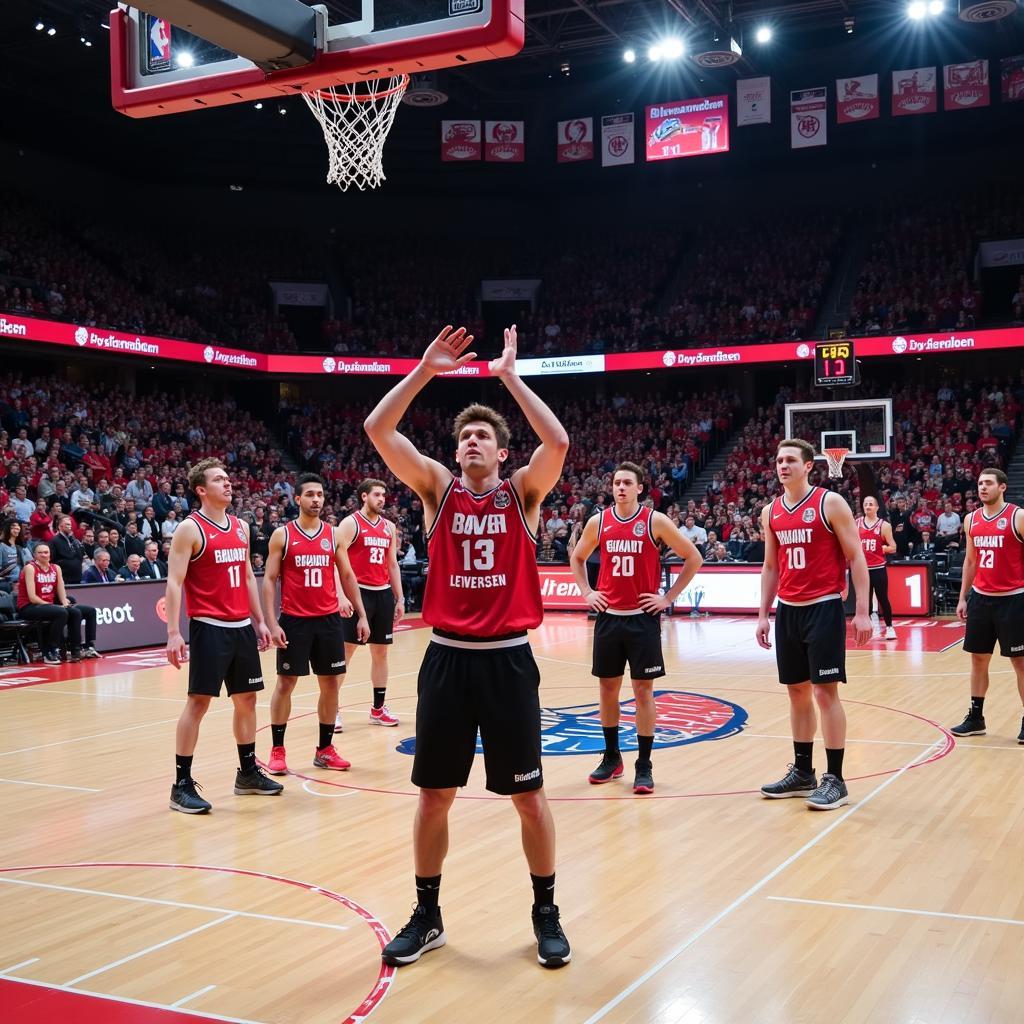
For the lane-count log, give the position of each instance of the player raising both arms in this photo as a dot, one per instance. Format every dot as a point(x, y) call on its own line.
point(304, 553)
point(809, 536)
point(483, 594)
point(992, 593)
point(372, 545)
point(628, 604)
point(210, 563)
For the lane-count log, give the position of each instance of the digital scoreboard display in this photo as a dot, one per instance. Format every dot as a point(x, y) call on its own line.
point(835, 364)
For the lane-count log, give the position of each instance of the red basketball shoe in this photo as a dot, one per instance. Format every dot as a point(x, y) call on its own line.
point(382, 716)
point(328, 757)
point(277, 764)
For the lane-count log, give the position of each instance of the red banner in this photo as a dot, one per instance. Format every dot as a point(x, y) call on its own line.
point(966, 85)
point(695, 127)
point(857, 99)
point(1012, 75)
point(504, 142)
point(559, 590)
point(576, 140)
point(460, 140)
point(914, 92)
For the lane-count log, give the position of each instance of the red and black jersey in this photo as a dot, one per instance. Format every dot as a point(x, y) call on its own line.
point(630, 560)
point(307, 571)
point(46, 584)
point(871, 541)
point(812, 565)
point(483, 579)
point(368, 552)
point(1000, 552)
point(215, 584)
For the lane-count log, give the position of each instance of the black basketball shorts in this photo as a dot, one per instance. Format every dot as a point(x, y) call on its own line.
point(316, 641)
point(810, 642)
point(995, 618)
point(462, 689)
point(632, 638)
point(225, 655)
point(380, 614)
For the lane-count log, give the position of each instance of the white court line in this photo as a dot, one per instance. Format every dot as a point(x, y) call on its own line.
point(17, 967)
point(885, 743)
point(174, 903)
point(102, 693)
point(900, 910)
point(204, 1014)
point(331, 796)
point(752, 891)
point(147, 950)
point(195, 995)
point(51, 785)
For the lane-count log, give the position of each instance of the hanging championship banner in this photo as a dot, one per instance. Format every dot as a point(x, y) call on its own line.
point(857, 99)
point(1012, 75)
point(808, 122)
point(576, 140)
point(460, 140)
point(966, 85)
point(753, 101)
point(914, 92)
point(693, 127)
point(617, 140)
point(504, 142)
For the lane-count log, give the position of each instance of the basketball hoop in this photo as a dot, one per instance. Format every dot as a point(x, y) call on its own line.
point(356, 118)
point(836, 457)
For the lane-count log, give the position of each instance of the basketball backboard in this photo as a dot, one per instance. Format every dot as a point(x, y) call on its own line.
point(864, 426)
point(158, 68)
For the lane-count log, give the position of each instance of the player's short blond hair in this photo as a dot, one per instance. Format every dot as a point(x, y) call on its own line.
point(478, 413)
point(805, 447)
point(197, 474)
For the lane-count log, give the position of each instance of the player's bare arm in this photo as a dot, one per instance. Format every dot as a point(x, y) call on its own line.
point(769, 579)
point(60, 592)
point(185, 542)
point(888, 541)
point(350, 586)
point(845, 528)
point(255, 608)
point(427, 477)
point(395, 575)
point(666, 532)
point(534, 480)
point(589, 539)
point(271, 574)
point(970, 568)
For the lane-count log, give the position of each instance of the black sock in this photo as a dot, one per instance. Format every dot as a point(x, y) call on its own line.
point(835, 762)
point(247, 757)
point(802, 754)
point(277, 734)
point(543, 889)
point(611, 740)
point(326, 735)
point(378, 696)
point(644, 745)
point(182, 768)
point(427, 890)
point(978, 707)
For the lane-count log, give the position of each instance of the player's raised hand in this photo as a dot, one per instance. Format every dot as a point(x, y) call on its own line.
point(448, 351)
point(506, 362)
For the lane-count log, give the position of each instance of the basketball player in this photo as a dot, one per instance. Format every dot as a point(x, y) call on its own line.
point(209, 562)
point(809, 536)
point(628, 604)
point(877, 541)
point(304, 554)
point(41, 599)
point(992, 593)
point(483, 594)
point(372, 545)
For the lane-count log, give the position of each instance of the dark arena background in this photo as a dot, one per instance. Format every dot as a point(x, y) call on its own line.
point(715, 225)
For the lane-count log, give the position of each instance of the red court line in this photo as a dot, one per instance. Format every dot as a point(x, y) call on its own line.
point(385, 975)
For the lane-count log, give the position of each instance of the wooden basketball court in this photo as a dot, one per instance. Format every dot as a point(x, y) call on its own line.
point(702, 903)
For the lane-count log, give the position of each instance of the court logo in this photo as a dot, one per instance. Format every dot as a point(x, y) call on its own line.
point(683, 718)
point(502, 500)
point(808, 516)
point(899, 345)
point(81, 336)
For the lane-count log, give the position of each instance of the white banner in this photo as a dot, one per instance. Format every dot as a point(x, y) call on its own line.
point(617, 140)
point(857, 99)
point(1008, 252)
point(559, 364)
point(753, 101)
point(808, 120)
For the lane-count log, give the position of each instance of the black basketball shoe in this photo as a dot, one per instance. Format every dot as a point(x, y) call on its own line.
point(552, 945)
point(184, 798)
point(609, 768)
point(829, 795)
point(972, 725)
point(425, 931)
point(793, 783)
point(643, 780)
point(256, 781)
point(1020, 736)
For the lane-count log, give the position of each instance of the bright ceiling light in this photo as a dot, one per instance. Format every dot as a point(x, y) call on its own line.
point(936, 7)
point(629, 56)
point(917, 10)
point(655, 52)
point(184, 59)
point(51, 31)
point(764, 34)
point(40, 26)
point(673, 48)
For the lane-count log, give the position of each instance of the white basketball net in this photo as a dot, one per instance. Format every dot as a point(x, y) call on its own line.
point(356, 118)
point(836, 457)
